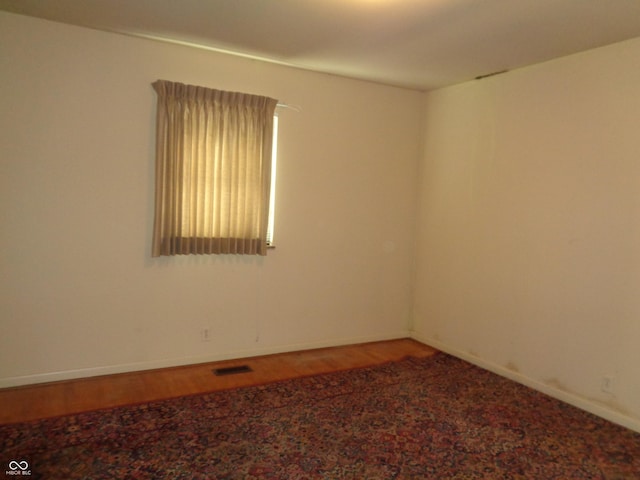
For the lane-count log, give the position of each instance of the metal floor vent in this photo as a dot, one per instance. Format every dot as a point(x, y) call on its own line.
point(232, 370)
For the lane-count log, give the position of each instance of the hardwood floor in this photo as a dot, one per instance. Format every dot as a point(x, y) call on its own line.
point(73, 396)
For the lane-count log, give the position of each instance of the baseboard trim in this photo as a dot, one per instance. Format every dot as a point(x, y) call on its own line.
point(48, 377)
point(572, 399)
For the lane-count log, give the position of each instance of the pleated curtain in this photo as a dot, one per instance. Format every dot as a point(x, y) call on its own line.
point(213, 171)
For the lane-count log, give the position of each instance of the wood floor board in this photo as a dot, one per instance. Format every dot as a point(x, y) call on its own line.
point(26, 403)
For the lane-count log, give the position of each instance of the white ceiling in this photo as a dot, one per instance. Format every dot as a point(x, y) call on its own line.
point(421, 44)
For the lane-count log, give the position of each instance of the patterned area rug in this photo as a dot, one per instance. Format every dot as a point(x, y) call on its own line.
point(437, 417)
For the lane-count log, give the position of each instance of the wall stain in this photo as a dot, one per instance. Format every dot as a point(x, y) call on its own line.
point(555, 383)
point(611, 404)
point(512, 367)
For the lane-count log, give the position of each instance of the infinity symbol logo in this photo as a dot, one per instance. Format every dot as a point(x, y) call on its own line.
point(23, 465)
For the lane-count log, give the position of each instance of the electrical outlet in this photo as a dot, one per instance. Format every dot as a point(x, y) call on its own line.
point(607, 384)
point(205, 335)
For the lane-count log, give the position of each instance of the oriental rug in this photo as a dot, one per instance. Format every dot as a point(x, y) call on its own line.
point(431, 418)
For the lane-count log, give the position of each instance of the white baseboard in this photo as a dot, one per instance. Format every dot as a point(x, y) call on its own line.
point(572, 399)
point(177, 362)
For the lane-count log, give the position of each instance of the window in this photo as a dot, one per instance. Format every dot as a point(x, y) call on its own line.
point(213, 171)
point(272, 195)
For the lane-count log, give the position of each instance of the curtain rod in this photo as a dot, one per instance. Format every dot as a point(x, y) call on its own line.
point(295, 108)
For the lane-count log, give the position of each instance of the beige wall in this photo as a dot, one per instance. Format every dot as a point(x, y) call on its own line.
point(79, 292)
point(529, 227)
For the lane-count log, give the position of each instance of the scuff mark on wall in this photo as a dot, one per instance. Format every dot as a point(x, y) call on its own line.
point(512, 367)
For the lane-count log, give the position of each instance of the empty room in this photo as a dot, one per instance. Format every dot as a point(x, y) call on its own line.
point(435, 272)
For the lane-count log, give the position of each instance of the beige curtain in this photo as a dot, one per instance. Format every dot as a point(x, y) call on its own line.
point(213, 171)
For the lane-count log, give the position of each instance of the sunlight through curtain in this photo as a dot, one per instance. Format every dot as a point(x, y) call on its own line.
point(213, 171)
